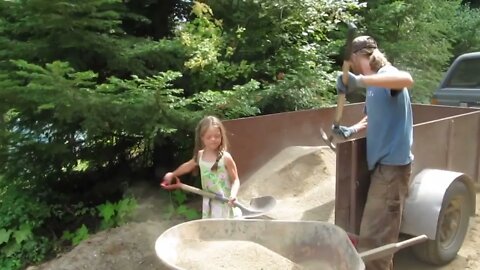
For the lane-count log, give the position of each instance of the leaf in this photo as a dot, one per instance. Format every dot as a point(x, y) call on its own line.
point(46, 106)
point(168, 213)
point(179, 197)
point(4, 235)
point(107, 210)
point(200, 8)
point(192, 214)
point(24, 233)
point(10, 249)
point(125, 207)
point(80, 235)
point(182, 209)
point(67, 235)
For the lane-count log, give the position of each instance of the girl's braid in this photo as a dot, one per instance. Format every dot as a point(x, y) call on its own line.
point(215, 165)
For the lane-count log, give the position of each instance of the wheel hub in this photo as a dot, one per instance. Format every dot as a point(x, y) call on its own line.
point(450, 222)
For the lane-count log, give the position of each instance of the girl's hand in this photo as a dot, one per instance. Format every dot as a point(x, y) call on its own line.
point(167, 179)
point(231, 200)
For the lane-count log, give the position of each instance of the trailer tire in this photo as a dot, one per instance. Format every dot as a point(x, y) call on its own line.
point(452, 227)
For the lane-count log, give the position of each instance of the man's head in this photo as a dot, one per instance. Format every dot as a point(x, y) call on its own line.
point(364, 45)
point(366, 58)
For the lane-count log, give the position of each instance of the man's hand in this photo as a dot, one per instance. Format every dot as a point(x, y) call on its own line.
point(344, 131)
point(355, 82)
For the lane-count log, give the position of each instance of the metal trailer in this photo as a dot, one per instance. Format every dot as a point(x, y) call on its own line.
point(445, 171)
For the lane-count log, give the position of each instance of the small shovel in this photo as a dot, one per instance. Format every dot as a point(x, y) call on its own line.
point(258, 206)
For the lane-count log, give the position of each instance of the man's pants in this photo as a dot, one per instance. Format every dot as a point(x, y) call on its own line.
point(383, 211)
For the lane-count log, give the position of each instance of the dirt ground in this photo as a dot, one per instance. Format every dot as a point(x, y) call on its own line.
point(289, 177)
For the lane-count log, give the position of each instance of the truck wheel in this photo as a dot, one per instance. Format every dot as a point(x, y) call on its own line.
point(452, 227)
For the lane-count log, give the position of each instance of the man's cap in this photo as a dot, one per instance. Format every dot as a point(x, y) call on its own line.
point(366, 43)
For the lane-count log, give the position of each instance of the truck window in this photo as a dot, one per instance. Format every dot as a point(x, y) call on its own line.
point(466, 74)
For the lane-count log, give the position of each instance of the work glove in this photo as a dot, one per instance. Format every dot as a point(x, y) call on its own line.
point(355, 82)
point(344, 131)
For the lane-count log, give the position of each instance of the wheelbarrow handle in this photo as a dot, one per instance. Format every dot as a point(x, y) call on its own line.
point(388, 249)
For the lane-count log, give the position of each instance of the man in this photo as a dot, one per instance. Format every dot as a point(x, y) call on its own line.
point(389, 140)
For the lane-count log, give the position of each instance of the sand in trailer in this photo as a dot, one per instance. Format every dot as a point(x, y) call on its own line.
point(302, 180)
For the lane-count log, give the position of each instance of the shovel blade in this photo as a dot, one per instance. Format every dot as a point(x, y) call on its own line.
point(328, 139)
point(258, 206)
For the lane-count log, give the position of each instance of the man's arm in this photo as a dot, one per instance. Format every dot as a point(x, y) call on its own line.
point(361, 125)
point(346, 132)
point(392, 80)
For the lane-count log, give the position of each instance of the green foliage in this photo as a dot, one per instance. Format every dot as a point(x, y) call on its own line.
point(88, 34)
point(77, 236)
point(22, 216)
point(209, 51)
point(58, 117)
point(417, 36)
point(257, 42)
point(115, 214)
point(466, 30)
point(298, 91)
point(283, 35)
point(241, 101)
point(178, 208)
point(111, 214)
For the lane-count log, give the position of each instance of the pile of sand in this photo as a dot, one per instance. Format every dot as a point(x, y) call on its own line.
point(128, 247)
point(302, 180)
point(232, 255)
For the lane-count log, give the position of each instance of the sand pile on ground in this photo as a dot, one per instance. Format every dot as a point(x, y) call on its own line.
point(128, 247)
point(232, 255)
point(302, 180)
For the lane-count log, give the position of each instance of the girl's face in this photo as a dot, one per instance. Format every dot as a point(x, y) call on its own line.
point(212, 138)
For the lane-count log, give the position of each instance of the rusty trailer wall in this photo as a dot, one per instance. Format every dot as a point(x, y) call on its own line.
point(254, 140)
point(427, 113)
point(444, 138)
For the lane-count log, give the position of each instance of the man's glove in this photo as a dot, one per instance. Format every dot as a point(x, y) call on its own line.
point(344, 131)
point(355, 82)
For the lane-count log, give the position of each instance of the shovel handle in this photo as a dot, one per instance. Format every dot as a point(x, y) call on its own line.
point(179, 185)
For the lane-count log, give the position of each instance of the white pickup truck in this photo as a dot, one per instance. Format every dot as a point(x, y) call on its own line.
point(461, 84)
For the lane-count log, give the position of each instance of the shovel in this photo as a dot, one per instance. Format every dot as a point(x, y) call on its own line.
point(328, 140)
point(258, 206)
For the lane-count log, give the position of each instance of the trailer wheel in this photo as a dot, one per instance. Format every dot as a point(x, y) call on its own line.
point(452, 227)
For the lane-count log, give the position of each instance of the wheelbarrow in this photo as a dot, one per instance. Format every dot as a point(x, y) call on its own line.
point(295, 245)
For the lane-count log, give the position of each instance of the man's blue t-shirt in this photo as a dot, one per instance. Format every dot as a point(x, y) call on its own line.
point(390, 125)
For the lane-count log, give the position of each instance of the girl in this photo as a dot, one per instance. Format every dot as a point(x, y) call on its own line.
point(218, 171)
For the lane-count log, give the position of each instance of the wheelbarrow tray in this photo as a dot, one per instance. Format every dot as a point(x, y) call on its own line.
point(302, 242)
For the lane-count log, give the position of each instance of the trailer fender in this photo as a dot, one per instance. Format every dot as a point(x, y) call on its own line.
point(426, 194)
